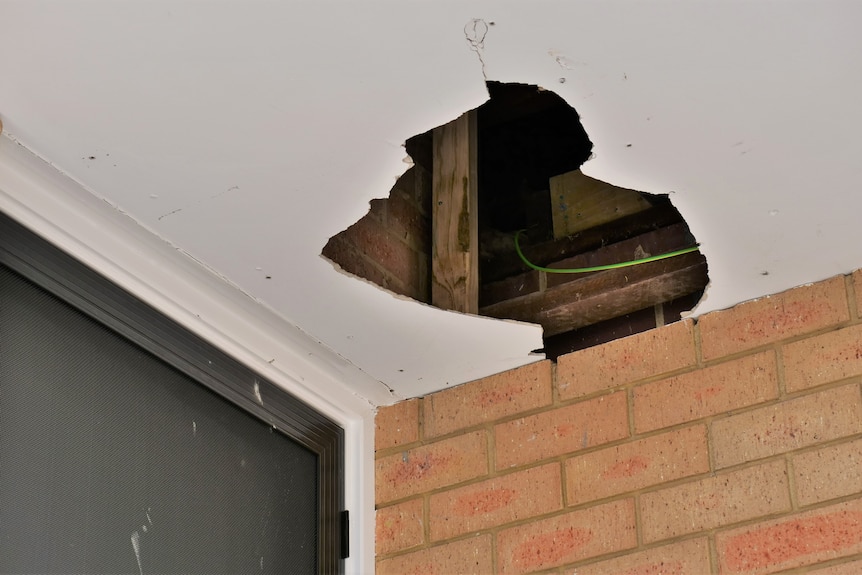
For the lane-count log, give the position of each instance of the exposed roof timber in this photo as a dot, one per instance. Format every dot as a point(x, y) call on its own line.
point(605, 295)
point(521, 186)
point(663, 240)
point(622, 326)
point(454, 216)
point(505, 264)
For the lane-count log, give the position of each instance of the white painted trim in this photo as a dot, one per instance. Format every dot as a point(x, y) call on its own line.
point(35, 193)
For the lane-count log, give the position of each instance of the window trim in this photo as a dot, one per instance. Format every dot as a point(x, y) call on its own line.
point(44, 200)
point(49, 268)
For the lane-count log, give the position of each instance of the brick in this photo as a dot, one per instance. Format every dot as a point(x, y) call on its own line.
point(560, 431)
point(715, 501)
point(405, 182)
point(636, 465)
point(468, 557)
point(626, 360)
point(829, 357)
point(340, 251)
point(496, 501)
point(717, 389)
point(415, 183)
point(371, 238)
point(803, 539)
point(396, 424)
point(787, 426)
point(399, 527)
point(404, 220)
point(567, 538)
point(684, 558)
point(377, 209)
point(773, 318)
point(487, 399)
point(828, 473)
point(431, 466)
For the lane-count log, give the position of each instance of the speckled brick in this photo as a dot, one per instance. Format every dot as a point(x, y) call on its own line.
point(717, 389)
point(560, 431)
point(626, 360)
point(396, 424)
point(684, 558)
point(829, 357)
point(431, 466)
point(638, 464)
point(567, 538)
point(496, 501)
point(787, 425)
point(372, 238)
point(828, 473)
point(342, 252)
point(715, 501)
point(773, 318)
point(399, 527)
point(470, 556)
point(487, 399)
point(405, 221)
point(803, 539)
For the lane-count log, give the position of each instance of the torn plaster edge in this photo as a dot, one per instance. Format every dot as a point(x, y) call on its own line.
point(396, 161)
point(469, 373)
point(475, 33)
point(679, 199)
point(460, 370)
point(464, 98)
point(38, 195)
point(374, 285)
point(338, 268)
point(410, 300)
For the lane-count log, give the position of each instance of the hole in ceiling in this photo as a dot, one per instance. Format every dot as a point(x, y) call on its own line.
point(519, 155)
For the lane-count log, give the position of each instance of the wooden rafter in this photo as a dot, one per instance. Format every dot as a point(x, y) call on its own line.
point(454, 208)
point(506, 265)
point(604, 295)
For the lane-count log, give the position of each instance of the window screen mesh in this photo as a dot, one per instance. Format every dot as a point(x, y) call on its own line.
point(111, 461)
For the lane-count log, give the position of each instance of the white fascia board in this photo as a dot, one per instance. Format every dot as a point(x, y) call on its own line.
point(36, 194)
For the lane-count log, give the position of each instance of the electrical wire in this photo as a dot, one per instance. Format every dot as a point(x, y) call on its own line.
point(598, 268)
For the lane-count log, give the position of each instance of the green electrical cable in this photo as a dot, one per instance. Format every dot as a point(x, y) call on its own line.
point(599, 268)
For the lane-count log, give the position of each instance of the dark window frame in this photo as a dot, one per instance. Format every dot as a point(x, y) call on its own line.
point(60, 274)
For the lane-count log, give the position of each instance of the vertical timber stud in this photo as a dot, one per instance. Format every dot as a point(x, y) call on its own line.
point(455, 223)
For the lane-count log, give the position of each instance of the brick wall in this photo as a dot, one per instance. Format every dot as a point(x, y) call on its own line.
point(390, 245)
point(728, 445)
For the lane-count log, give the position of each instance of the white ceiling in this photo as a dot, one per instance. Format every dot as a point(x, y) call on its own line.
point(248, 133)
